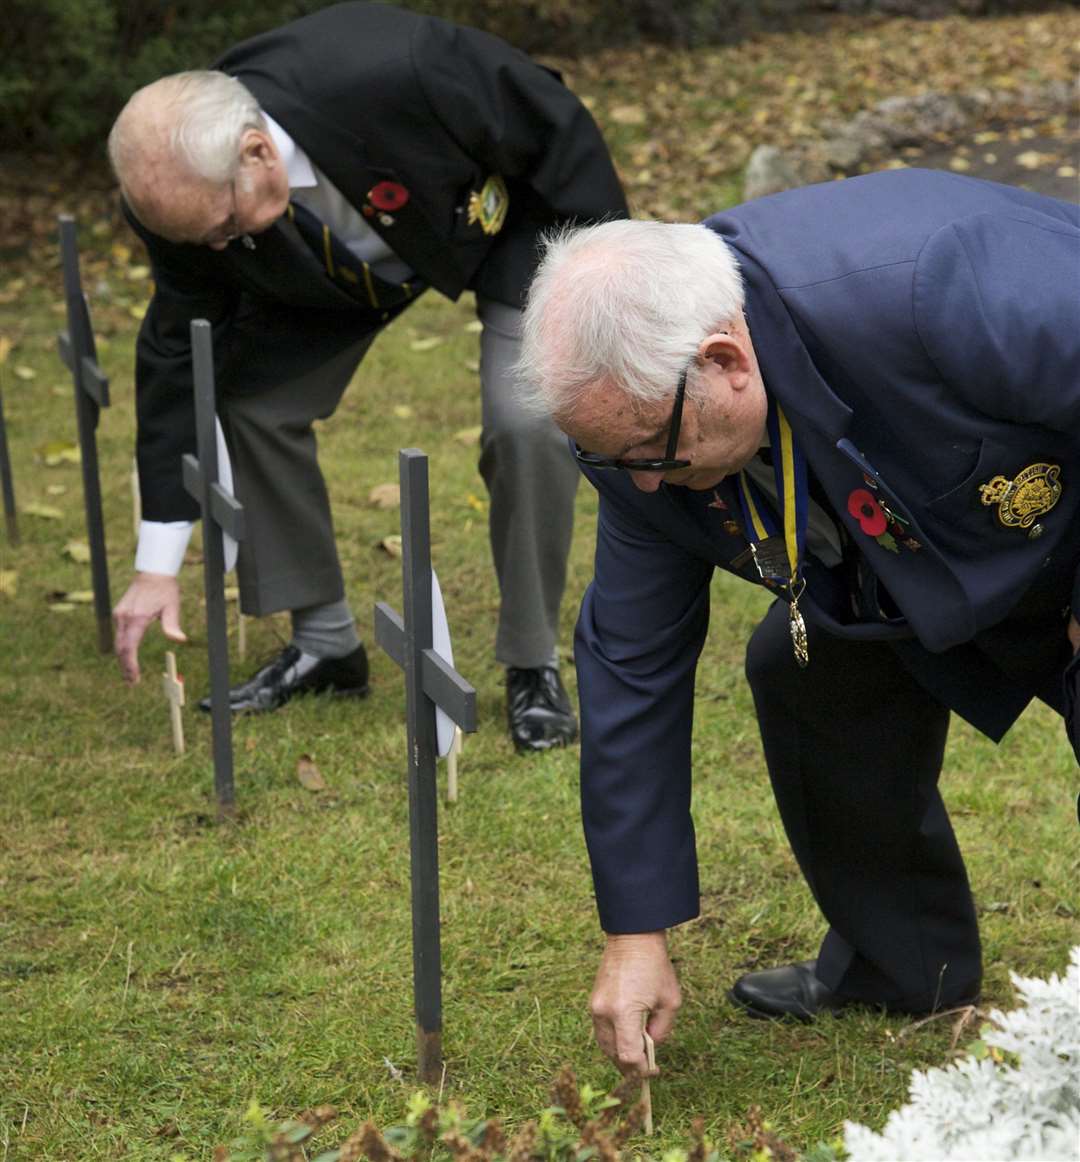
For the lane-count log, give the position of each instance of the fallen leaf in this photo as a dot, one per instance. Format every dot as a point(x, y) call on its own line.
point(121, 253)
point(385, 496)
point(403, 411)
point(959, 164)
point(472, 365)
point(61, 607)
point(391, 545)
point(627, 115)
point(45, 511)
point(138, 273)
point(468, 436)
point(56, 489)
point(55, 452)
point(9, 582)
point(474, 327)
point(5, 348)
point(1066, 171)
point(309, 774)
point(24, 372)
point(138, 311)
point(427, 344)
point(232, 593)
point(79, 597)
point(1031, 159)
point(474, 501)
point(77, 551)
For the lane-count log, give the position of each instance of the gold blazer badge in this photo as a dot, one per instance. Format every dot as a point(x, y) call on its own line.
point(1034, 491)
point(489, 206)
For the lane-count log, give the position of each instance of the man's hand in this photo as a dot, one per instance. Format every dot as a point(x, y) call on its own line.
point(635, 981)
point(150, 596)
point(1074, 633)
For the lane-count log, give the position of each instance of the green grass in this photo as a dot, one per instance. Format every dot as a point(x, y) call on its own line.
point(158, 970)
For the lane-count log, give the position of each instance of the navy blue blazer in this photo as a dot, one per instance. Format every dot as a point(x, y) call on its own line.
point(921, 331)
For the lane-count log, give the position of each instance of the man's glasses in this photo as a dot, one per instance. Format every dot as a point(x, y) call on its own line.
point(668, 463)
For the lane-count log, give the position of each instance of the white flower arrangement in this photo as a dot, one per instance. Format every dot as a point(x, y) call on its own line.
point(1019, 1100)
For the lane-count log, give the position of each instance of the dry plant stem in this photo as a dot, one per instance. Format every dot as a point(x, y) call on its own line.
point(646, 1090)
point(173, 686)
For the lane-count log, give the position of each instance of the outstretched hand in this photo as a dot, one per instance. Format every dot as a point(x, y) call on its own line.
point(150, 597)
point(635, 988)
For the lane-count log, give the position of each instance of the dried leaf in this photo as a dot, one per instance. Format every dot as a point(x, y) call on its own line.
point(385, 496)
point(403, 411)
point(45, 511)
point(468, 436)
point(474, 327)
point(472, 365)
point(427, 344)
point(309, 774)
point(232, 593)
point(55, 452)
point(77, 551)
point(137, 273)
point(1032, 159)
point(121, 253)
point(24, 372)
point(80, 597)
point(627, 115)
point(391, 545)
point(56, 489)
point(9, 582)
point(61, 607)
point(960, 164)
point(138, 311)
point(5, 348)
point(474, 501)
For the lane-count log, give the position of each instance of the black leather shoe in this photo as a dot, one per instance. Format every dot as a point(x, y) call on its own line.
point(538, 709)
point(790, 991)
point(293, 672)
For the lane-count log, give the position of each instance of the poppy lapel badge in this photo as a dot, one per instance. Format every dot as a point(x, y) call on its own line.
point(489, 206)
point(1020, 501)
point(386, 197)
point(877, 520)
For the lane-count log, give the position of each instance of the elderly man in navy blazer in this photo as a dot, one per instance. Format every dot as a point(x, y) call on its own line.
point(866, 396)
point(300, 196)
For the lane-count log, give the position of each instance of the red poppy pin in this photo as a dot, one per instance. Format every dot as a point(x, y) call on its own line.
point(879, 521)
point(388, 195)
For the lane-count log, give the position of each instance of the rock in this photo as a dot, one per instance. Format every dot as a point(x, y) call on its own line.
point(769, 171)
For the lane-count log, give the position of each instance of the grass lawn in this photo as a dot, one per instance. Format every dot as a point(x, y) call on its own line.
point(159, 970)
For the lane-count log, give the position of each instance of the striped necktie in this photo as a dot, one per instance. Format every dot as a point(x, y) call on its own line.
point(352, 274)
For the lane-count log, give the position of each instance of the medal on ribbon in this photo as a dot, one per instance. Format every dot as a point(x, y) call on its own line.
point(778, 547)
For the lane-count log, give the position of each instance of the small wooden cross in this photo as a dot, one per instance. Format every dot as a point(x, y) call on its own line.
point(173, 686)
point(222, 513)
point(429, 682)
point(78, 351)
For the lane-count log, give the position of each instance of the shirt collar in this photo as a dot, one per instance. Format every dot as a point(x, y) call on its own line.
point(298, 167)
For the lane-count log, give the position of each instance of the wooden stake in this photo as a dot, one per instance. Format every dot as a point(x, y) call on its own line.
point(456, 748)
point(173, 685)
point(646, 1094)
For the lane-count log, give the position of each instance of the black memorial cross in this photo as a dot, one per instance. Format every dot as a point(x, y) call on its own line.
point(221, 513)
point(430, 682)
point(7, 484)
point(79, 352)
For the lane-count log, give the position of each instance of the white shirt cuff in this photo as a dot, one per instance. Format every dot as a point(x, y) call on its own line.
point(162, 545)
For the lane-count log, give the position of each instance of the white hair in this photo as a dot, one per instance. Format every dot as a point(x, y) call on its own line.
point(201, 115)
point(623, 301)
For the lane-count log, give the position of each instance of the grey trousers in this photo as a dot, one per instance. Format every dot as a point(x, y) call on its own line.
point(288, 559)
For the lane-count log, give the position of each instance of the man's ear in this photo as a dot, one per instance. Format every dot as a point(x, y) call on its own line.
point(257, 147)
point(729, 354)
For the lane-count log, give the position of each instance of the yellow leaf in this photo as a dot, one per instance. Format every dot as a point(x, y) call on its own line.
point(959, 164)
point(986, 138)
point(9, 582)
point(24, 372)
point(1066, 171)
point(391, 545)
point(138, 273)
point(138, 311)
point(474, 501)
point(232, 593)
point(55, 452)
point(385, 496)
point(80, 597)
point(121, 253)
point(56, 489)
point(45, 511)
point(403, 411)
point(474, 327)
point(309, 774)
point(472, 365)
point(61, 607)
point(77, 551)
point(627, 115)
point(468, 436)
point(427, 344)
point(1031, 159)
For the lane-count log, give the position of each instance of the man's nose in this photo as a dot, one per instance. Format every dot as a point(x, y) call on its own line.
point(647, 481)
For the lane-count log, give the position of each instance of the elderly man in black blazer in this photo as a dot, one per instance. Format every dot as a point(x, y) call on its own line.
point(300, 196)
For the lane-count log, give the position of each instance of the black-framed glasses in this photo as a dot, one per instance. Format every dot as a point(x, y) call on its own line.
point(668, 463)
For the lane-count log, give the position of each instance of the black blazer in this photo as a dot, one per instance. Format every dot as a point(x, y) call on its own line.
point(371, 93)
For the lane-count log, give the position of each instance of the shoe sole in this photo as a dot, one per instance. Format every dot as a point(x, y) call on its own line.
point(353, 692)
point(804, 1018)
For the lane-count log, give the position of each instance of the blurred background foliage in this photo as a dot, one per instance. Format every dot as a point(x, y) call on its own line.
point(67, 66)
